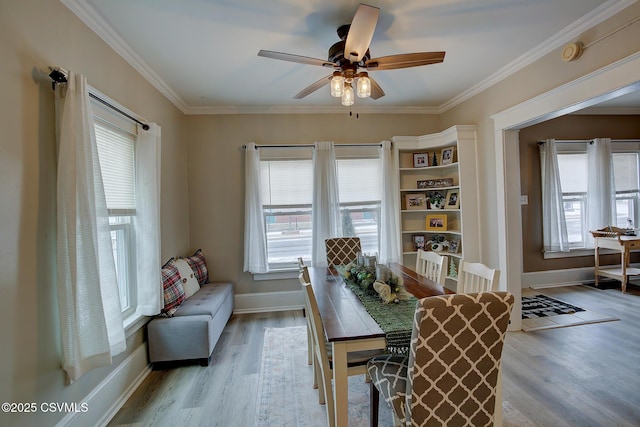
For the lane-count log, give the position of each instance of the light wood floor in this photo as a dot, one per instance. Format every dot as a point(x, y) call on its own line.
point(586, 375)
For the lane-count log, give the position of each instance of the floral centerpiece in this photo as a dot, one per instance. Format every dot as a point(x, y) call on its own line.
point(389, 290)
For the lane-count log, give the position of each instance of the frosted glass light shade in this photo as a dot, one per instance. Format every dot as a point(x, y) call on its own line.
point(347, 95)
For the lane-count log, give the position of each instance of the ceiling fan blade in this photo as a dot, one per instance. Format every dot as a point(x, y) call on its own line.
point(361, 32)
point(376, 90)
point(295, 58)
point(404, 60)
point(313, 87)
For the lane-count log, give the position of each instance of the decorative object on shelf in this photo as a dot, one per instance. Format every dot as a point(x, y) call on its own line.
point(446, 156)
point(454, 246)
point(434, 162)
point(453, 199)
point(438, 243)
point(419, 241)
point(436, 222)
point(420, 160)
point(436, 200)
point(415, 201)
point(435, 183)
point(453, 270)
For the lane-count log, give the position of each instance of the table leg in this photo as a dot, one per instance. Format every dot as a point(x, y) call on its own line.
point(626, 257)
point(340, 384)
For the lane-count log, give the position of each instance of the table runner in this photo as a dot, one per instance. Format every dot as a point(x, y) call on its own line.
point(395, 319)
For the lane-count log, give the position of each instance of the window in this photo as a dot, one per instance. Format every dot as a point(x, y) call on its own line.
point(116, 152)
point(287, 187)
point(573, 177)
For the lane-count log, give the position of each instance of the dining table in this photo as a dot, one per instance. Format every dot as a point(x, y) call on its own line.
point(349, 327)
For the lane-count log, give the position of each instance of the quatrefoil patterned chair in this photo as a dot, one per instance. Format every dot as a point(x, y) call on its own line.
point(449, 377)
point(342, 250)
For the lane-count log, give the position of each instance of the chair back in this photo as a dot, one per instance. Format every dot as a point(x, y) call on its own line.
point(342, 250)
point(432, 266)
point(477, 277)
point(454, 359)
point(302, 269)
point(321, 355)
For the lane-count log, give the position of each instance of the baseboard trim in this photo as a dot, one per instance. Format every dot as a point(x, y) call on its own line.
point(107, 398)
point(268, 301)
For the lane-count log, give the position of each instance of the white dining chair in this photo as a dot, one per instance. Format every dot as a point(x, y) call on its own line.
point(477, 277)
point(357, 360)
point(304, 278)
point(432, 266)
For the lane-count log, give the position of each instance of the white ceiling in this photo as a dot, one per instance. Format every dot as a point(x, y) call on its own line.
point(202, 54)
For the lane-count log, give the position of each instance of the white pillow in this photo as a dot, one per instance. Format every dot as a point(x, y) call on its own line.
point(189, 281)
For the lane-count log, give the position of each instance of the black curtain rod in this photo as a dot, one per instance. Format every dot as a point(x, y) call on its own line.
point(312, 145)
point(590, 141)
point(59, 77)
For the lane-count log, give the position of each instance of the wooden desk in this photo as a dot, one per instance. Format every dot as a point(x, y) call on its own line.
point(348, 327)
point(623, 244)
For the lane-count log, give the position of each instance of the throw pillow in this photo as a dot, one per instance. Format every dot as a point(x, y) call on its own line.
point(189, 281)
point(173, 289)
point(199, 267)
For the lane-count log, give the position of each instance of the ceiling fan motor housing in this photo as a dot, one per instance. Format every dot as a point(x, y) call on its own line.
point(336, 55)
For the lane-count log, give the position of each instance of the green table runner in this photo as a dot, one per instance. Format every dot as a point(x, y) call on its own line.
point(395, 319)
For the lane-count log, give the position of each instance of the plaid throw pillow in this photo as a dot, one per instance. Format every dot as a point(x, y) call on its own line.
point(199, 267)
point(173, 289)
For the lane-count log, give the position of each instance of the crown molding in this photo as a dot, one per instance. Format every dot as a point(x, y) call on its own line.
point(570, 33)
point(610, 111)
point(97, 24)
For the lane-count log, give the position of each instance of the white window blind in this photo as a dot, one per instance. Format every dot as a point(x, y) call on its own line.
point(116, 150)
point(286, 182)
point(625, 170)
point(359, 180)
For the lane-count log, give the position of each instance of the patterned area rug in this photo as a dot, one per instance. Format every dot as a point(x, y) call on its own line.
point(286, 396)
point(544, 306)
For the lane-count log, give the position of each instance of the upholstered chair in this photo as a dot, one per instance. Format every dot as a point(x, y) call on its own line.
point(449, 377)
point(342, 250)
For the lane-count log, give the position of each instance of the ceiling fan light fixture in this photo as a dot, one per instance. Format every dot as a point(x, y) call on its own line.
point(363, 86)
point(347, 95)
point(337, 84)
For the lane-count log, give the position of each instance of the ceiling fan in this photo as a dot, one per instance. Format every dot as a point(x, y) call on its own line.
point(351, 54)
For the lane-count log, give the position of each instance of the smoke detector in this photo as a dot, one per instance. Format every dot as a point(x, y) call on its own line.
point(572, 51)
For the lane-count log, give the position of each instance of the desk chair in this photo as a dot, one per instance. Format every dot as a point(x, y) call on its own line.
point(357, 360)
point(342, 250)
point(432, 266)
point(450, 376)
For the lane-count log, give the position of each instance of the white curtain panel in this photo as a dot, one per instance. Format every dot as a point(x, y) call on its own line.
point(255, 242)
point(390, 239)
point(601, 194)
point(147, 221)
point(325, 211)
point(554, 225)
point(88, 297)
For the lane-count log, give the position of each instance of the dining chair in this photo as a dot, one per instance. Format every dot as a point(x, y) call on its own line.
point(304, 278)
point(342, 250)
point(449, 377)
point(432, 266)
point(477, 277)
point(356, 361)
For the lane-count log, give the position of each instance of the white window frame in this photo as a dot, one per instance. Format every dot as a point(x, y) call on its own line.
point(121, 222)
point(577, 249)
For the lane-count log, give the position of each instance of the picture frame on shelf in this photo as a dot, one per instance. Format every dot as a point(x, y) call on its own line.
point(415, 201)
point(420, 160)
point(453, 199)
point(446, 155)
point(419, 241)
point(436, 222)
point(454, 246)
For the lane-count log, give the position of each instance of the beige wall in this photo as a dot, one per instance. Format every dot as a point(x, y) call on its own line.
point(35, 34)
point(543, 75)
point(572, 127)
point(216, 174)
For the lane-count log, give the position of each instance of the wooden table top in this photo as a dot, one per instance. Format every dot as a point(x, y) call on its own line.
point(343, 315)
